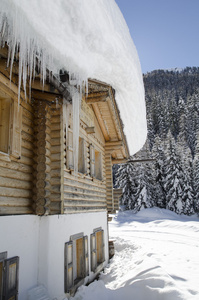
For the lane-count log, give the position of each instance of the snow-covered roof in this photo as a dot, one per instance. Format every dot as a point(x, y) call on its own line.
point(89, 39)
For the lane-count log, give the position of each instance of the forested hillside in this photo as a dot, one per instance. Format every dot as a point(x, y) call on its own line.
point(171, 180)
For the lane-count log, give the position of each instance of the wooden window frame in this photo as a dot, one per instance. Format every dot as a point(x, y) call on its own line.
point(9, 277)
point(76, 264)
point(96, 164)
point(13, 130)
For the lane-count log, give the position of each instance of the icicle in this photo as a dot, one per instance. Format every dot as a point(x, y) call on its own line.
point(76, 110)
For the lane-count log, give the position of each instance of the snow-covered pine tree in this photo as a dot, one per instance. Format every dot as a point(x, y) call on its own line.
point(124, 180)
point(159, 175)
point(179, 197)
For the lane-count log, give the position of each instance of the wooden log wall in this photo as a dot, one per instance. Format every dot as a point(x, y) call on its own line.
point(16, 175)
point(83, 192)
point(57, 136)
point(109, 182)
point(42, 188)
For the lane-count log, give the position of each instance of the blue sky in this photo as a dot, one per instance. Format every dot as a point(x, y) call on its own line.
point(165, 32)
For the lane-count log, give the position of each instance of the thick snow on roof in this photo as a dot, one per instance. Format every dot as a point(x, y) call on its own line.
point(88, 38)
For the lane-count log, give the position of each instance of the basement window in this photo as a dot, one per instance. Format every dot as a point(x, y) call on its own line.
point(97, 250)
point(76, 262)
point(9, 275)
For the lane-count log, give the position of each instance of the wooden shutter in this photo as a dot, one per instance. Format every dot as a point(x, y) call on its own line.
point(16, 124)
point(92, 160)
point(98, 165)
point(70, 160)
point(86, 261)
point(4, 124)
point(103, 247)
point(11, 278)
point(93, 252)
point(3, 257)
point(82, 162)
point(68, 266)
point(1, 278)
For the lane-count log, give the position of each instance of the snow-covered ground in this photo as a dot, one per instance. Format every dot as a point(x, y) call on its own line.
point(156, 258)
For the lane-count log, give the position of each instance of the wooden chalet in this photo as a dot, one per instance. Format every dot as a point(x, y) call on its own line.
point(41, 195)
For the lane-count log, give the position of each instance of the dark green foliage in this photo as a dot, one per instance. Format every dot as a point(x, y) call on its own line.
point(172, 180)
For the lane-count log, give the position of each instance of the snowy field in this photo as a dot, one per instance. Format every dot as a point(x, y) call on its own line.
point(157, 258)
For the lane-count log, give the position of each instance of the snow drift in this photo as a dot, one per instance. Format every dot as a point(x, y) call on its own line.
point(156, 258)
point(89, 39)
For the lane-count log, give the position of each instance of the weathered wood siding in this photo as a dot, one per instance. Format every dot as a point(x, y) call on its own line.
point(57, 136)
point(16, 175)
point(83, 192)
point(109, 182)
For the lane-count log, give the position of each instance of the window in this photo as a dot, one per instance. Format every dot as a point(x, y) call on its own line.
point(76, 261)
point(97, 249)
point(70, 161)
point(10, 127)
point(9, 270)
point(95, 163)
point(82, 160)
point(98, 165)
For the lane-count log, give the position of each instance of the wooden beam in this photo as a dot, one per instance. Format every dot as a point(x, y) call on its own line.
point(96, 99)
point(119, 161)
point(101, 121)
point(90, 130)
point(97, 94)
point(41, 95)
point(114, 143)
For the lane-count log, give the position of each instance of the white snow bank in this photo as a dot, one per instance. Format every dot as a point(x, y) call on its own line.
point(87, 38)
point(156, 259)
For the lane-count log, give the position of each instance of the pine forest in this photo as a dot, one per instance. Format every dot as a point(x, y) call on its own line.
point(168, 174)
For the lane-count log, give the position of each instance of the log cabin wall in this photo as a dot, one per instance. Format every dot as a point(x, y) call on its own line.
point(16, 166)
point(42, 186)
point(57, 136)
point(86, 191)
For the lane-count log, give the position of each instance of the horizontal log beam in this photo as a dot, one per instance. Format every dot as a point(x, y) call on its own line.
point(96, 99)
point(44, 95)
point(97, 95)
point(90, 130)
point(114, 143)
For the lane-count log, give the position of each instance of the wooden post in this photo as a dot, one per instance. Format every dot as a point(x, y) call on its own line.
point(42, 158)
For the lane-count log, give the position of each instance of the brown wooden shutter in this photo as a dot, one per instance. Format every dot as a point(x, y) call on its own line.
point(11, 278)
point(93, 252)
point(82, 163)
point(16, 124)
point(86, 267)
point(103, 247)
point(68, 266)
point(70, 160)
point(92, 161)
point(4, 124)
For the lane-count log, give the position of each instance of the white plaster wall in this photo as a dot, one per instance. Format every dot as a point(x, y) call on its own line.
point(19, 236)
point(39, 242)
point(55, 232)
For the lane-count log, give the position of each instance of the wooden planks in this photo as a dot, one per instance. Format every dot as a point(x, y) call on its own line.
point(16, 175)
